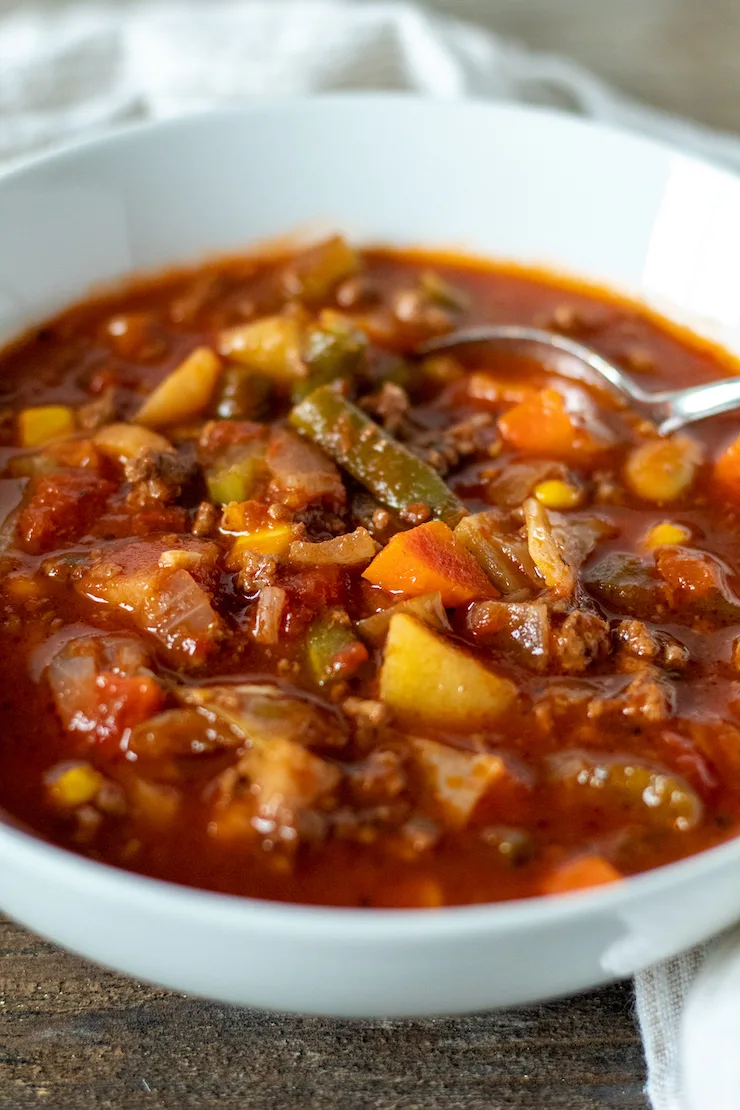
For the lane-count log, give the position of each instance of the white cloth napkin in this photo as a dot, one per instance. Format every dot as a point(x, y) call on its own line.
point(69, 68)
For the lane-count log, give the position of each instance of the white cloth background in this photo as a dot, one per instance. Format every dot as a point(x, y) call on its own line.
point(76, 67)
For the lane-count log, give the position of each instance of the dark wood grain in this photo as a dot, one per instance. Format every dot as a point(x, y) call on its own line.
point(75, 1037)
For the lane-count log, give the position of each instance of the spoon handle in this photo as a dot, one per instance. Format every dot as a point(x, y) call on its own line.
point(696, 403)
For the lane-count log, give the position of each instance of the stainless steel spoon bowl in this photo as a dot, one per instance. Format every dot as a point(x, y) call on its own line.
point(669, 410)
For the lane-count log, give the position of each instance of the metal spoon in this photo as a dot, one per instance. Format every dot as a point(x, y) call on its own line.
point(669, 410)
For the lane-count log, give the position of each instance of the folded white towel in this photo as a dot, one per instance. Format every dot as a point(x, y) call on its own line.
point(74, 67)
point(67, 67)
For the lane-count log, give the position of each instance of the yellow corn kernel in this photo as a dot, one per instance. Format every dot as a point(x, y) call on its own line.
point(263, 541)
point(76, 786)
point(666, 534)
point(558, 495)
point(45, 422)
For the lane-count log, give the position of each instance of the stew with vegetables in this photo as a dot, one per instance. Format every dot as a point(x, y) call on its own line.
point(290, 612)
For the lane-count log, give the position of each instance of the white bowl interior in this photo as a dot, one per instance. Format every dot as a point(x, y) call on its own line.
point(532, 186)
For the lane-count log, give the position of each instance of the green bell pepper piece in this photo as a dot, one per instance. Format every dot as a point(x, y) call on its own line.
point(332, 648)
point(379, 462)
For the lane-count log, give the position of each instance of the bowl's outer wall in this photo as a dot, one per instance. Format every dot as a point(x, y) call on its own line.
point(532, 186)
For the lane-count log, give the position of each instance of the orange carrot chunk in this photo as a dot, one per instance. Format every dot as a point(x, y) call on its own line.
point(578, 874)
point(727, 470)
point(428, 559)
point(543, 426)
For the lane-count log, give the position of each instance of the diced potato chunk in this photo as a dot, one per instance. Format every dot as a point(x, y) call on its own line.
point(427, 678)
point(663, 469)
point(44, 423)
point(428, 559)
point(127, 441)
point(269, 346)
point(457, 779)
point(314, 274)
point(184, 393)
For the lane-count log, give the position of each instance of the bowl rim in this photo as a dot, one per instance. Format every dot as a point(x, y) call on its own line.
point(398, 100)
point(35, 855)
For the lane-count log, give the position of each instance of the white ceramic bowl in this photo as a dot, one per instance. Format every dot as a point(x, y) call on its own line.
point(501, 181)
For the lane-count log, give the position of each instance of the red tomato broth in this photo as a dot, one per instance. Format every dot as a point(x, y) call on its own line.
point(379, 835)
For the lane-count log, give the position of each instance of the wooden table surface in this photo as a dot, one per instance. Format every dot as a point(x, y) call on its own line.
point(73, 1037)
point(78, 1038)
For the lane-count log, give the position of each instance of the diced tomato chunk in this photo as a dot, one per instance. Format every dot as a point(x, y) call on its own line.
point(122, 703)
point(101, 688)
point(61, 508)
point(350, 658)
point(309, 592)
